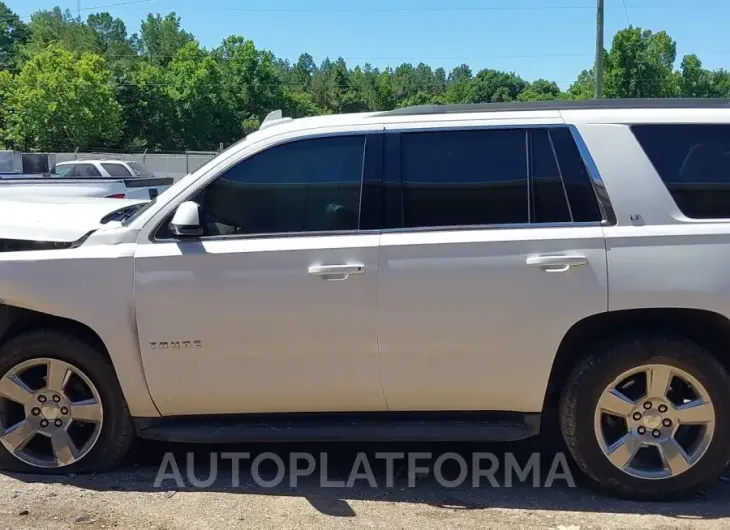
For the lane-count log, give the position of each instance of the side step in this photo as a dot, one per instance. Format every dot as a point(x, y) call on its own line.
point(339, 427)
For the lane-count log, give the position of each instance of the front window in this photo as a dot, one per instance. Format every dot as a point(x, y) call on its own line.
point(303, 186)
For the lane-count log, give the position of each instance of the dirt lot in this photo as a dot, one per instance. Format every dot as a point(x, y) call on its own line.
point(129, 499)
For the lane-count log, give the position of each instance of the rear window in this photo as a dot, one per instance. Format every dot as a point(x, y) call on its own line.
point(140, 170)
point(116, 170)
point(694, 163)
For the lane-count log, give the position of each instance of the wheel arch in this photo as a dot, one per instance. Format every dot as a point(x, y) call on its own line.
point(708, 329)
point(15, 321)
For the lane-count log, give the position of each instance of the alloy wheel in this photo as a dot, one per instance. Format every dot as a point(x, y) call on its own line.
point(654, 421)
point(50, 413)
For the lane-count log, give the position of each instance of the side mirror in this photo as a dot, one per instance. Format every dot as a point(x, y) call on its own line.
point(186, 221)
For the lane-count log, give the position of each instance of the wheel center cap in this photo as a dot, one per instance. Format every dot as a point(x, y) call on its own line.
point(50, 411)
point(652, 420)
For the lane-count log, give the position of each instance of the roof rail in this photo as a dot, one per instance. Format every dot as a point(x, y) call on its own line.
point(595, 104)
point(274, 118)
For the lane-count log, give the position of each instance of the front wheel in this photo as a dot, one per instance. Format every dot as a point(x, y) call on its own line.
point(646, 417)
point(61, 408)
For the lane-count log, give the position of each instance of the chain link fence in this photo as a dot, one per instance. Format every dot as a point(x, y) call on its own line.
point(174, 165)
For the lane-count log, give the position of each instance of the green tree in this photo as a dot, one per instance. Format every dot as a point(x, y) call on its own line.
point(111, 37)
point(60, 102)
point(250, 86)
point(160, 38)
point(641, 65)
point(59, 27)
point(149, 113)
point(193, 81)
point(14, 33)
point(493, 86)
point(541, 90)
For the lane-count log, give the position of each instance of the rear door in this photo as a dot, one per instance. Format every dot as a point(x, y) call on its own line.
point(493, 250)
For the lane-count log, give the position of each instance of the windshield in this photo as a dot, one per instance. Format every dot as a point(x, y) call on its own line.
point(184, 182)
point(140, 170)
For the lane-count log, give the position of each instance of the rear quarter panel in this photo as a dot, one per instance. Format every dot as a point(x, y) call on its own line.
point(657, 257)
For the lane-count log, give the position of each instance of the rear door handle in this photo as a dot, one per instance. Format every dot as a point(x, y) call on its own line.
point(556, 263)
point(335, 272)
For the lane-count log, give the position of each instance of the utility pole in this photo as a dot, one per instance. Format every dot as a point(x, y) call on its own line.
point(78, 9)
point(600, 15)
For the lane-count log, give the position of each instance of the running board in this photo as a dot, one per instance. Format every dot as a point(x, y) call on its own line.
point(338, 427)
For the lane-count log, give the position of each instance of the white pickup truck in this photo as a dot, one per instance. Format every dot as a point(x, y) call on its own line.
point(88, 178)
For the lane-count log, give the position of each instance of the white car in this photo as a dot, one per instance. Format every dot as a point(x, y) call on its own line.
point(88, 178)
point(103, 168)
point(429, 273)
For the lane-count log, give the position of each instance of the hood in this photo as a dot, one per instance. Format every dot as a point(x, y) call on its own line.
point(56, 219)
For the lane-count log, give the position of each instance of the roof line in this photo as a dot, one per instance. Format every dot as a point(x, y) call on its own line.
point(593, 104)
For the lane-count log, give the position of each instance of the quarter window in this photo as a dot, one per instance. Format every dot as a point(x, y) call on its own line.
point(694, 163)
point(303, 186)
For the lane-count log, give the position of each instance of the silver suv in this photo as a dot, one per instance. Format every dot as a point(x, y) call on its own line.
point(453, 273)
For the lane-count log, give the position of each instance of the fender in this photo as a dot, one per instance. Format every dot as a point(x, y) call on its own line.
point(92, 285)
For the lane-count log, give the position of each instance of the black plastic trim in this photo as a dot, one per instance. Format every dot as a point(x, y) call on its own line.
point(659, 103)
point(329, 427)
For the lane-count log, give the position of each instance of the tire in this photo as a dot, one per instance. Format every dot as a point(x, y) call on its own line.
point(586, 385)
point(112, 439)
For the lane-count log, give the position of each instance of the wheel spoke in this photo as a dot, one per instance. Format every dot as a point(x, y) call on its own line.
point(616, 404)
point(17, 436)
point(674, 457)
point(697, 411)
point(14, 389)
point(89, 411)
point(58, 374)
point(658, 379)
point(622, 452)
point(63, 448)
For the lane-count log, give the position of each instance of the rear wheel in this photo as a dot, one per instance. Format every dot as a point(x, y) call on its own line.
point(61, 408)
point(646, 418)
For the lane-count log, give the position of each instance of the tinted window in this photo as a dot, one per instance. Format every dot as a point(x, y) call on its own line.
point(461, 178)
point(550, 203)
point(85, 170)
point(116, 170)
point(694, 163)
point(305, 186)
point(577, 180)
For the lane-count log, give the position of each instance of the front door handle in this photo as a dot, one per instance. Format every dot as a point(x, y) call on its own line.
point(335, 272)
point(560, 263)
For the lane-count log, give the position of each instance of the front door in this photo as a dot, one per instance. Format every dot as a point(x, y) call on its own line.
point(274, 308)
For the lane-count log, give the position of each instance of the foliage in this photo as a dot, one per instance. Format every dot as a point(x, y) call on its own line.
point(67, 83)
point(60, 101)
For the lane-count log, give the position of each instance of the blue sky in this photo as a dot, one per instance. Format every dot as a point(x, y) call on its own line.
point(551, 39)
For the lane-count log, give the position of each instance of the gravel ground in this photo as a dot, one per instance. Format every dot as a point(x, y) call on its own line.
point(128, 498)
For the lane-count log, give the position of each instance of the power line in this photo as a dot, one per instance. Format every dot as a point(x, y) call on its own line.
point(118, 4)
point(422, 9)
